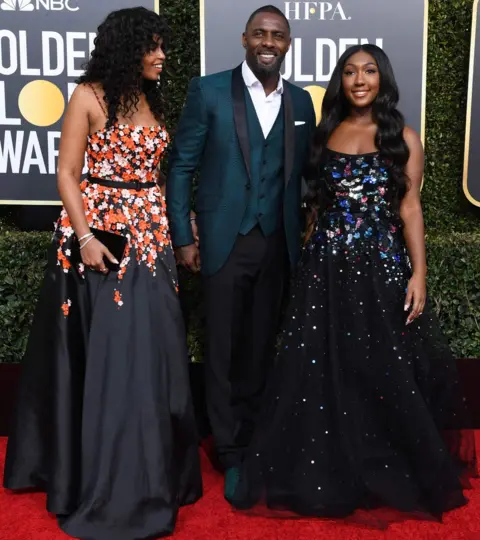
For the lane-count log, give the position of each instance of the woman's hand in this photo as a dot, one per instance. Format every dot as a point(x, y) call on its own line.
point(93, 254)
point(310, 226)
point(416, 296)
point(413, 230)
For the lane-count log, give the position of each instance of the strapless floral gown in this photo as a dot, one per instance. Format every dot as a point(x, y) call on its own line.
point(104, 422)
point(362, 413)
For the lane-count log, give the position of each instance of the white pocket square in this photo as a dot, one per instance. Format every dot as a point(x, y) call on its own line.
point(299, 123)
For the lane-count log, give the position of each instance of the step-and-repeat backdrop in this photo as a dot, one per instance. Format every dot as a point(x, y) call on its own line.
point(43, 44)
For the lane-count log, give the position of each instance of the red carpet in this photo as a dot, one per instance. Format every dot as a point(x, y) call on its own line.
point(23, 517)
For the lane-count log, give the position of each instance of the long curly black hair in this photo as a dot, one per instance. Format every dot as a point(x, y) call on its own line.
point(389, 137)
point(122, 41)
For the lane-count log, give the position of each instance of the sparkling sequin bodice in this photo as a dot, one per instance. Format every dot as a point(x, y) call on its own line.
point(358, 184)
point(359, 213)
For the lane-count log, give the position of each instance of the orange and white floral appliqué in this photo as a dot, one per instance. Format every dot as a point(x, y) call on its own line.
point(66, 307)
point(117, 296)
point(123, 154)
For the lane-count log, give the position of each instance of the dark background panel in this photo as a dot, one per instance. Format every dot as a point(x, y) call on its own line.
point(29, 51)
point(399, 24)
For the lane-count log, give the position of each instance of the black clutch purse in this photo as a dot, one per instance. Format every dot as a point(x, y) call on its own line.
point(115, 243)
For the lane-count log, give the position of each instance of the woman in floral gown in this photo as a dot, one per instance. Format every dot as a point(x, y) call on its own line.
point(104, 422)
point(364, 410)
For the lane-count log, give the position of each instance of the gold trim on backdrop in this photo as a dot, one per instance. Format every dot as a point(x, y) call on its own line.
point(466, 159)
point(202, 38)
point(424, 70)
point(423, 112)
point(32, 203)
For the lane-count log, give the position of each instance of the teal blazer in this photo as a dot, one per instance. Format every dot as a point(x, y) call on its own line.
point(212, 137)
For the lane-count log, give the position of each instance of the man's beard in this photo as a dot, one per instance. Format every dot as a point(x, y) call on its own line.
point(274, 67)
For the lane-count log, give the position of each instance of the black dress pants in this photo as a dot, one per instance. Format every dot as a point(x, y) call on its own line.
point(243, 302)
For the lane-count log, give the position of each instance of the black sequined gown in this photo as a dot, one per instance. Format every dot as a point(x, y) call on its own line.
point(361, 411)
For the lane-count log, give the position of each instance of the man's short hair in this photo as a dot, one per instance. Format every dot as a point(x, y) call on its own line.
point(267, 9)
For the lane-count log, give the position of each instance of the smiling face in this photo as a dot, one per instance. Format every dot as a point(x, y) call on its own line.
point(153, 61)
point(361, 79)
point(267, 40)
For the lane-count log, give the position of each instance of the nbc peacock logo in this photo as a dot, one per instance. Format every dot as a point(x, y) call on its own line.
point(17, 5)
point(39, 5)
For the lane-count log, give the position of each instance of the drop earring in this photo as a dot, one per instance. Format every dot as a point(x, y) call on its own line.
point(158, 82)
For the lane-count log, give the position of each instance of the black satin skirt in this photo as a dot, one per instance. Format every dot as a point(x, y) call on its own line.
point(104, 421)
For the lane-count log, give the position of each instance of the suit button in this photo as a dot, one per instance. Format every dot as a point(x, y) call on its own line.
point(262, 196)
point(263, 179)
point(248, 186)
point(260, 215)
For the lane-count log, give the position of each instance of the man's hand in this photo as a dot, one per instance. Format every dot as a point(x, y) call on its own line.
point(193, 222)
point(188, 257)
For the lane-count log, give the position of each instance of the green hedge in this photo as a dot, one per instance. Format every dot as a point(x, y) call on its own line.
point(445, 206)
point(453, 243)
point(454, 288)
point(22, 264)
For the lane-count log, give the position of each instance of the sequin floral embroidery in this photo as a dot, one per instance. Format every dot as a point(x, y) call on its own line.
point(360, 217)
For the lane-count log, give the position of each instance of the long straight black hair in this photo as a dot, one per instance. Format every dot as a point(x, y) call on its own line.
point(388, 140)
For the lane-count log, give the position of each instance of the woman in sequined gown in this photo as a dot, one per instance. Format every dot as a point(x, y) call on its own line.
point(364, 408)
point(104, 423)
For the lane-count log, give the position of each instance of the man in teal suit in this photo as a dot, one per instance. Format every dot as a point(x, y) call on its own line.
point(247, 131)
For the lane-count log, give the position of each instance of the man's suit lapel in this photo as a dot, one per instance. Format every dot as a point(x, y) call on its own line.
point(240, 115)
point(289, 131)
